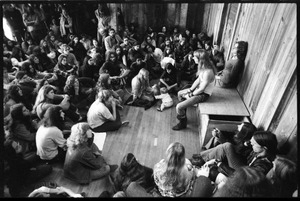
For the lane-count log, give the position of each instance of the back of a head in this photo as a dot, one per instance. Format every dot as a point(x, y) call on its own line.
point(13, 93)
point(52, 117)
point(104, 95)
point(78, 135)
point(103, 80)
point(20, 75)
point(128, 164)
point(16, 111)
point(176, 154)
point(143, 71)
point(245, 182)
point(285, 176)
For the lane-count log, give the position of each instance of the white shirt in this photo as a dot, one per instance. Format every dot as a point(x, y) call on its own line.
point(48, 139)
point(98, 114)
point(165, 98)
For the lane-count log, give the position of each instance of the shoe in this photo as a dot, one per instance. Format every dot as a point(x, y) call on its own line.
point(158, 109)
point(125, 123)
point(180, 125)
point(113, 168)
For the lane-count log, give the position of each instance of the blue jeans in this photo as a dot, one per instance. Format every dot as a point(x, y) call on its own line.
point(185, 103)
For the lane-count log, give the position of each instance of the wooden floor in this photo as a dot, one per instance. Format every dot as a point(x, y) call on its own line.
point(138, 138)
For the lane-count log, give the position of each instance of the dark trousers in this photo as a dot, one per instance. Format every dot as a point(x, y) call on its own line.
point(109, 125)
point(71, 112)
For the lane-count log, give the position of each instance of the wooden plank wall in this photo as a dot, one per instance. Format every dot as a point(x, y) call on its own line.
point(268, 86)
point(155, 15)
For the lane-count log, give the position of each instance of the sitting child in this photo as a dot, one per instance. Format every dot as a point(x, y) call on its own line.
point(166, 100)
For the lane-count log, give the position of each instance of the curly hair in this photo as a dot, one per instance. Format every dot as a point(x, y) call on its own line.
point(78, 135)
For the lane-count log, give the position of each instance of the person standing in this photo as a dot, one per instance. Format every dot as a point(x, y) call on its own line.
point(102, 13)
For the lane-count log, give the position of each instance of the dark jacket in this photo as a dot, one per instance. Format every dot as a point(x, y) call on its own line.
point(232, 73)
point(80, 162)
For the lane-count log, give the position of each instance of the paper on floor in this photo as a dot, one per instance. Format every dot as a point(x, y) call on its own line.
point(99, 139)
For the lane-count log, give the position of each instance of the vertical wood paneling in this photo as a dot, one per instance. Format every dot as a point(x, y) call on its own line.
point(285, 44)
point(183, 15)
point(283, 129)
point(113, 10)
point(171, 14)
point(270, 65)
point(177, 15)
point(205, 19)
point(217, 25)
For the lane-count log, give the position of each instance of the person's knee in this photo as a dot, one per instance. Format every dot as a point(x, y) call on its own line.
point(227, 145)
point(180, 107)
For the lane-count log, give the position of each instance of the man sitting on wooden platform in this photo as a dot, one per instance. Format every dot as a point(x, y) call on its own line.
point(201, 89)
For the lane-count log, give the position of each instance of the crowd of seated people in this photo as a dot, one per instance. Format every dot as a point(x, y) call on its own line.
point(60, 85)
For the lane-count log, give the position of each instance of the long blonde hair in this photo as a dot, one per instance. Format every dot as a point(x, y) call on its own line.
point(175, 162)
point(41, 97)
point(204, 60)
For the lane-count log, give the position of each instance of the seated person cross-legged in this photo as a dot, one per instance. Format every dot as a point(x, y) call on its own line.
point(174, 176)
point(50, 141)
point(142, 93)
point(103, 116)
point(169, 79)
point(84, 162)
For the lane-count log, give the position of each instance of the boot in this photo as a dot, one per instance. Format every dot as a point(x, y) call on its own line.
point(182, 123)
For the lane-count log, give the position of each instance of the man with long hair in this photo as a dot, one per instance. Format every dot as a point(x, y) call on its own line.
point(200, 90)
